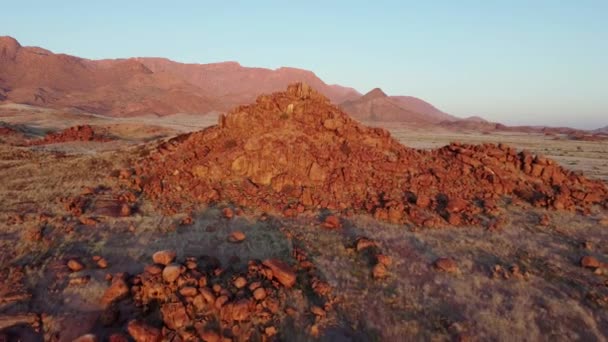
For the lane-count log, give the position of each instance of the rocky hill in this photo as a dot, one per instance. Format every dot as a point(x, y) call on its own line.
point(294, 151)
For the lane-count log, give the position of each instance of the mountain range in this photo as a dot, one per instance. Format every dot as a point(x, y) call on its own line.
point(377, 106)
point(159, 86)
point(126, 87)
point(136, 86)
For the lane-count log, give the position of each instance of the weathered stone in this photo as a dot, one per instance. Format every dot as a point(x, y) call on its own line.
point(384, 259)
point(228, 213)
point(241, 310)
point(590, 262)
point(164, 257)
point(75, 265)
point(240, 282)
point(188, 291)
point(171, 272)
point(331, 222)
point(102, 263)
point(379, 271)
point(281, 271)
point(237, 236)
point(259, 293)
point(142, 332)
point(317, 311)
point(364, 243)
point(446, 265)
point(117, 291)
point(174, 315)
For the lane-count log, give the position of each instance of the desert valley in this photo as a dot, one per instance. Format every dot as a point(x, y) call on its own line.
point(144, 199)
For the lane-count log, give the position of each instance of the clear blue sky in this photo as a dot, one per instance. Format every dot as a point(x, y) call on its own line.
point(518, 62)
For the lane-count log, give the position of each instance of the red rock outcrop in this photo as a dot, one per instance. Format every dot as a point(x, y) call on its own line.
point(75, 133)
point(294, 150)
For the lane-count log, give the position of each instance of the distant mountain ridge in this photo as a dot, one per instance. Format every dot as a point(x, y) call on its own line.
point(135, 86)
point(148, 85)
point(35, 76)
point(603, 130)
point(234, 84)
point(376, 105)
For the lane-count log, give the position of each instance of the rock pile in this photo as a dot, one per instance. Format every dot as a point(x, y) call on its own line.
point(75, 133)
point(200, 300)
point(293, 151)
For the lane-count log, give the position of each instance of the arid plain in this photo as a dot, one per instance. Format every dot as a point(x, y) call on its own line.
point(76, 267)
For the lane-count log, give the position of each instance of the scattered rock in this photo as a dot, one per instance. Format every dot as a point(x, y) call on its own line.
point(259, 293)
point(87, 221)
point(174, 315)
point(102, 263)
point(237, 236)
point(187, 221)
point(117, 291)
point(384, 259)
point(209, 335)
point(364, 243)
point(171, 272)
point(379, 271)
point(207, 295)
point(228, 213)
point(281, 271)
point(446, 265)
point(240, 310)
point(331, 222)
point(590, 262)
point(164, 257)
point(544, 220)
point(317, 311)
point(79, 281)
point(142, 332)
point(270, 331)
point(75, 265)
point(188, 291)
point(220, 301)
point(153, 269)
point(240, 282)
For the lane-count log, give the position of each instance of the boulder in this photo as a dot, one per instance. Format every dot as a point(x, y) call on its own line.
point(281, 271)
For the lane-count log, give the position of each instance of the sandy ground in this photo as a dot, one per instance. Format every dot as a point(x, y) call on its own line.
point(551, 298)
